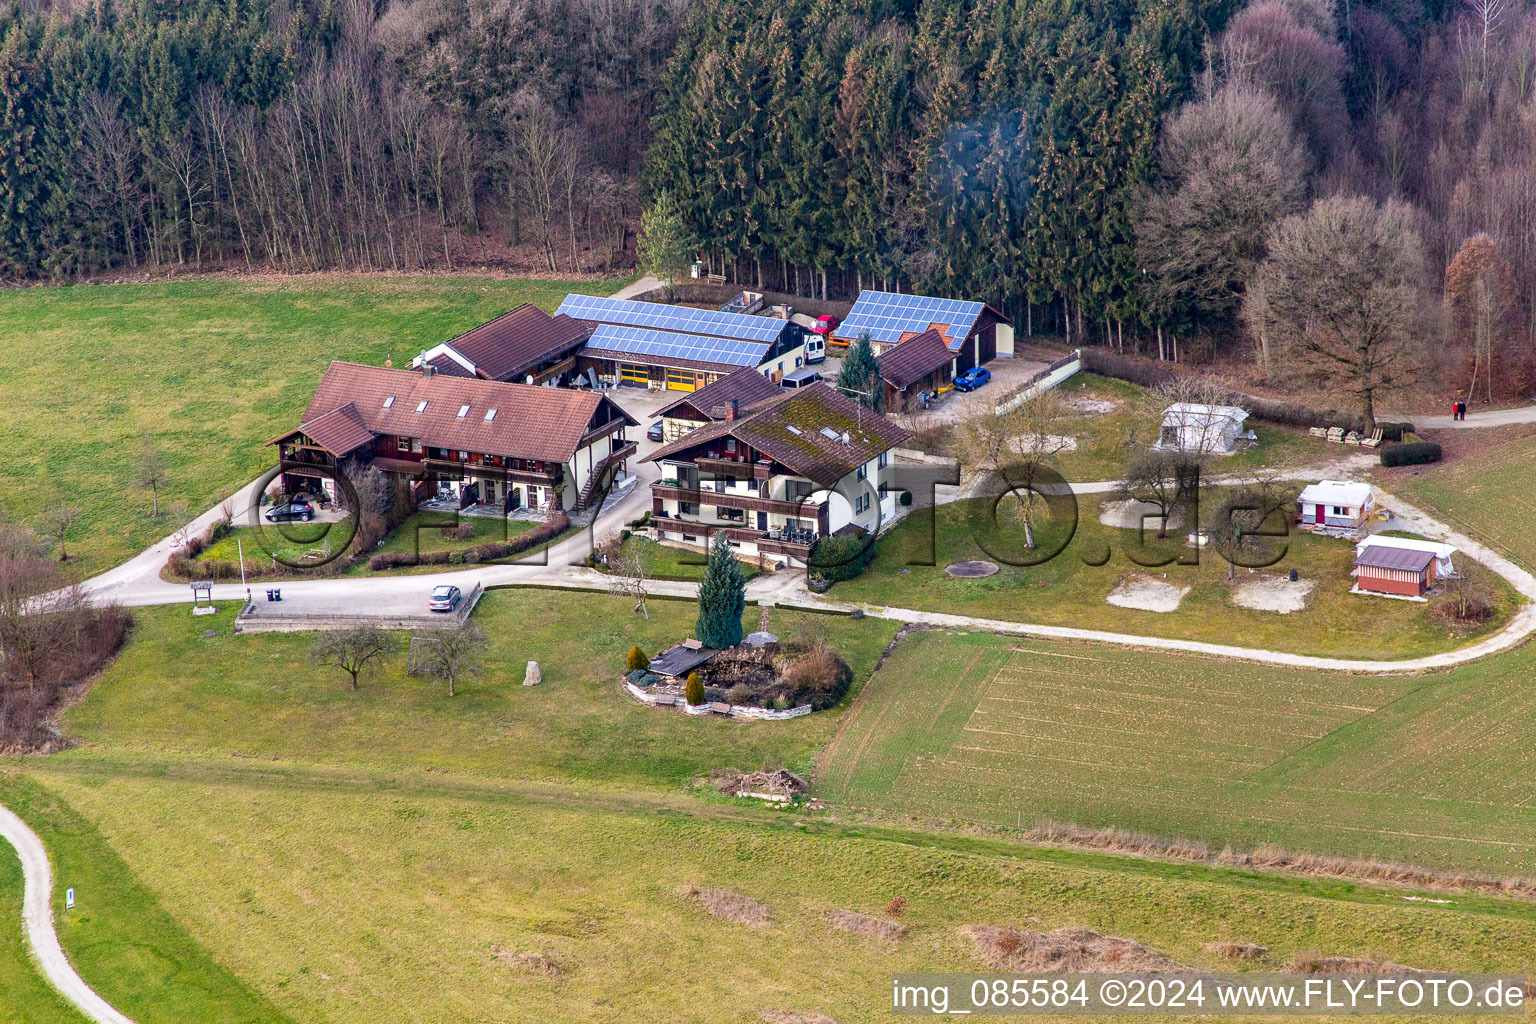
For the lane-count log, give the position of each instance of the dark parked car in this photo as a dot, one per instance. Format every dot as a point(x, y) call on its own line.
point(299, 511)
point(654, 433)
point(444, 599)
point(973, 378)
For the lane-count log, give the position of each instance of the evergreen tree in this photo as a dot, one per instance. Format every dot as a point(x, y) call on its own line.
point(722, 598)
point(859, 378)
point(665, 245)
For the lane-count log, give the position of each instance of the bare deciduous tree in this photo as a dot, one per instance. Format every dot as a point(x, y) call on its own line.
point(352, 650)
point(151, 471)
point(1019, 447)
point(456, 654)
point(1342, 296)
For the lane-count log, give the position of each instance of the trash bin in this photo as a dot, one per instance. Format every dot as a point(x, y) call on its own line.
point(1295, 575)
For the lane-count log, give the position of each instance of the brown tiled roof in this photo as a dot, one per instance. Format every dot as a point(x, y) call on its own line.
point(530, 422)
point(339, 431)
point(518, 341)
point(1380, 556)
point(824, 460)
point(446, 364)
point(746, 386)
point(914, 359)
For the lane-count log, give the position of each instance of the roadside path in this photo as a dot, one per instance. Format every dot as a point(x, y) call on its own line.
point(37, 921)
point(1478, 420)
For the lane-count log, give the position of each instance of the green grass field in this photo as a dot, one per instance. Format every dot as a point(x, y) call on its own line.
point(208, 371)
point(1109, 418)
point(253, 841)
point(1432, 769)
point(908, 572)
point(1490, 493)
point(668, 563)
point(174, 694)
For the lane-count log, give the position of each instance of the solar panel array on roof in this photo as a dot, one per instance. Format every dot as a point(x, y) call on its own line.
point(889, 315)
point(643, 341)
point(662, 317)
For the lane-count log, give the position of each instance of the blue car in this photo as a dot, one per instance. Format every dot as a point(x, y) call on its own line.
point(973, 378)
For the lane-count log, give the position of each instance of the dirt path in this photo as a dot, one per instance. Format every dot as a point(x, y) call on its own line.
point(37, 922)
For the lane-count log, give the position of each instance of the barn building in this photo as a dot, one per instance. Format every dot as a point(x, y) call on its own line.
point(526, 345)
point(919, 364)
point(974, 332)
point(678, 348)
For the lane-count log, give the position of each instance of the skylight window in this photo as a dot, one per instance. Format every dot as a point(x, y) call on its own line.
point(389, 401)
point(463, 411)
point(422, 407)
point(490, 414)
point(792, 429)
point(829, 433)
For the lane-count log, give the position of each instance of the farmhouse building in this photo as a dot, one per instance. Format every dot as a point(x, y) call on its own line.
point(1334, 505)
point(919, 364)
point(484, 442)
point(776, 476)
point(715, 401)
point(1401, 565)
point(974, 332)
point(678, 348)
point(1193, 427)
point(525, 344)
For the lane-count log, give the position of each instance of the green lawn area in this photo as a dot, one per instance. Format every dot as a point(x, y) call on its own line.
point(208, 371)
point(175, 694)
point(1431, 769)
point(1068, 591)
point(1489, 493)
point(668, 563)
point(1109, 410)
point(251, 840)
point(28, 996)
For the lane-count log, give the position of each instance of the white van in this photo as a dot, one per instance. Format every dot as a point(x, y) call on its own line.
point(815, 348)
point(802, 378)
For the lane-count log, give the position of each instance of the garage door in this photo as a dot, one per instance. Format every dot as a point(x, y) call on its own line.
point(634, 373)
point(681, 380)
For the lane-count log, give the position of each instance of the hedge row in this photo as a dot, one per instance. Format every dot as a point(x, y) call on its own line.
point(839, 558)
point(489, 552)
point(1410, 454)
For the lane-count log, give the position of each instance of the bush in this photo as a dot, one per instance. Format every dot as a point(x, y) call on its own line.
point(636, 659)
point(1395, 431)
point(693, 690)
point(905, 499)
point(741, 693)
point(488, 552)
point(839, 558)
point(1414, 454)
point(464, 531)
point(818, 678)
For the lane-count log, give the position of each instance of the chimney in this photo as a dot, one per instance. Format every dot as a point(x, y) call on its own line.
point(426, 369)
point(730, 409)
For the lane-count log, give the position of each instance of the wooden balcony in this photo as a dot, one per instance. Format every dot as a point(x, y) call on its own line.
point(735, 499)
point(765, 544)
point(544, 478)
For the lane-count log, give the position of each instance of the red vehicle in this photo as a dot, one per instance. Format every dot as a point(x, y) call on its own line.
point(825, 325)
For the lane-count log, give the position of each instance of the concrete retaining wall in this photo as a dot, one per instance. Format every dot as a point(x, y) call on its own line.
point(1042, 381)
point(255, 618)
point(665, 700)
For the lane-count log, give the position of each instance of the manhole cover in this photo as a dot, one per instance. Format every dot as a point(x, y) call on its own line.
point(970, 570)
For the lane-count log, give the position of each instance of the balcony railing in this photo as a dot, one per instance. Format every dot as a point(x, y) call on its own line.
point(799, 545)
point(735, 499)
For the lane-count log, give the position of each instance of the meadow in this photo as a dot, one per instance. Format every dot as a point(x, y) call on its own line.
point(206, 372)
point(173, 693)
point(1070, 588)
point(1432, 769)
point(1487, 488)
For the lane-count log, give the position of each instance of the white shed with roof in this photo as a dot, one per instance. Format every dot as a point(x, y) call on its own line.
point(1194, 427)
point(1336, 504)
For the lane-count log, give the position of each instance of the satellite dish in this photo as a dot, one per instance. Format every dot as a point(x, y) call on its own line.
point(529, 379)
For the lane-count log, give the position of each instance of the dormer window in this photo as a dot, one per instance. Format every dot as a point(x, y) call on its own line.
point(389, 401)
point(422, 406)
point(463, 411)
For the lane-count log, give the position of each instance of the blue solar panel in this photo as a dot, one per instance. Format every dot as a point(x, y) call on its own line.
point(886, 316)
point(647, 343)
point(662, 317)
